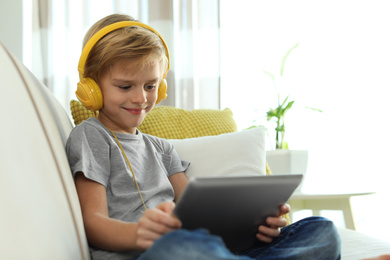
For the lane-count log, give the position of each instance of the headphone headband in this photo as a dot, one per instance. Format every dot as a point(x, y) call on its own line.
point(112, 27)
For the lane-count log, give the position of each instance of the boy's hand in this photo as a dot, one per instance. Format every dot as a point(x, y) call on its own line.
point(272, 230)
point(154, 223)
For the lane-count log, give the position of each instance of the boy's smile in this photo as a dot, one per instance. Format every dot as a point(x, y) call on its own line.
point(129, 93)
point(134, 111)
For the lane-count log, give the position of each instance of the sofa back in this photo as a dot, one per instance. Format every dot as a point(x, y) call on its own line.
point(40, 213)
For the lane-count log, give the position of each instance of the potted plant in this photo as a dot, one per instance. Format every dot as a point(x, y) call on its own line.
point(278, 114)
point(282, 160)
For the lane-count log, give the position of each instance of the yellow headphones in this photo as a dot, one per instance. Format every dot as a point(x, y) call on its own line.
point(88, 91)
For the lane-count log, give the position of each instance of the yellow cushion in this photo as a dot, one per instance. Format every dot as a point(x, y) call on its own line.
point(79, 112)
point(176, 123)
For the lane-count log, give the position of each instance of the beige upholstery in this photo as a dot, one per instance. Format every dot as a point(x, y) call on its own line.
point(40, 214)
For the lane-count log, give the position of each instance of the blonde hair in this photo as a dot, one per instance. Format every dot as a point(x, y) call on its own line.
point(128, 44)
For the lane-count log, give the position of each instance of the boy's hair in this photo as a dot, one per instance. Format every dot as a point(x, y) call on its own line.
point(128, 44)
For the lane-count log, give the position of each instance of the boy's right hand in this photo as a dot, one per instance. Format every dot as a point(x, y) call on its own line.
point(154, 223)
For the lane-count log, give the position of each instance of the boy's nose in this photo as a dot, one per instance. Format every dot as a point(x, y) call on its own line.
point(138, 96)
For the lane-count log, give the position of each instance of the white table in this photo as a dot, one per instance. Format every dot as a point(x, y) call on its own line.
point(318, 202)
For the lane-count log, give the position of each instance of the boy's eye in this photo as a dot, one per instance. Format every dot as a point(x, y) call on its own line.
point(125, 87)
point(150, 87)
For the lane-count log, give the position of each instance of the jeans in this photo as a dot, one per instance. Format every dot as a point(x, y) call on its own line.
point(310, 238)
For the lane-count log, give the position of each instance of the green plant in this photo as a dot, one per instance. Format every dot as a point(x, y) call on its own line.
point(278, 114)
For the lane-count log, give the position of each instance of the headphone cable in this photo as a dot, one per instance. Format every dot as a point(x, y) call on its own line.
point(131, 169)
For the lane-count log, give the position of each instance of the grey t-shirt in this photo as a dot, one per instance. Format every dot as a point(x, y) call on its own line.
point(93, 150)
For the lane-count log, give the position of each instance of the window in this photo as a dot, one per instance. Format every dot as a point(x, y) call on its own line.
point(340, 66)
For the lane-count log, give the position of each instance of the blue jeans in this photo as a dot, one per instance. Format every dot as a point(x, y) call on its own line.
point(310, 238)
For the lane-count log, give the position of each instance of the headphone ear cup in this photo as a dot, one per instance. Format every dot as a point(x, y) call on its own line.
point(162, 91)
point(89, 94)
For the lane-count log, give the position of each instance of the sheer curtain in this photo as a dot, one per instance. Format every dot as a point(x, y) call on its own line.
point(190, 28)
point(196, 55)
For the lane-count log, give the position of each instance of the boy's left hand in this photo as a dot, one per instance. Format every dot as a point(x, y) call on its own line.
point(267, 233)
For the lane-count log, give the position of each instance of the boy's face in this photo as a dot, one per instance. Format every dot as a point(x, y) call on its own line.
point(129, 94)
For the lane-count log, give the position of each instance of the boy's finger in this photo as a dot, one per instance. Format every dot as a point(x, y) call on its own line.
point(284, 209)
point(166, 207)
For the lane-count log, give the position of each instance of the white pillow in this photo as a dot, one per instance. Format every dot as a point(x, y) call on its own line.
point(238, 153)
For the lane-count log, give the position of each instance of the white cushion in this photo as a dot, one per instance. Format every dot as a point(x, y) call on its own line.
point(237, 153)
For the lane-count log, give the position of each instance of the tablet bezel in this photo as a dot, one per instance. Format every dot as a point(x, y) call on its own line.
point(225, 205)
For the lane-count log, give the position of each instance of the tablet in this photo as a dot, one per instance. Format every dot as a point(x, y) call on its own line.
point(234, 207)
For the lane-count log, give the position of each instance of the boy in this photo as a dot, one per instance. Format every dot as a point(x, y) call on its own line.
point(127, 206)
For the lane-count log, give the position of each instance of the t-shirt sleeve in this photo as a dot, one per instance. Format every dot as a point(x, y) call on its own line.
point(171, 159)
point(88, 152)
